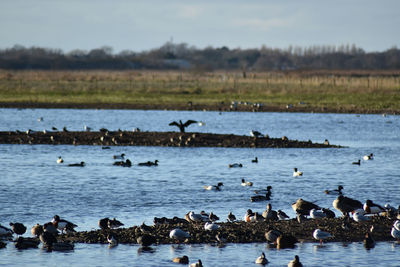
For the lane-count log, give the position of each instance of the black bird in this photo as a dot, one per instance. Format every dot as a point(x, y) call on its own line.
point(356, 162)
point(103, 223)
point(255, 160)
point(146, 240)
point(48, 239)
point(114, 223)
point(82, 164)
point(25, 243)
point(18, 228)
point(182, 125)
point(126, 163)
point(149, 163)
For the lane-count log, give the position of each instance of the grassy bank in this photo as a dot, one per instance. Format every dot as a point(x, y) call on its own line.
point(366, 92)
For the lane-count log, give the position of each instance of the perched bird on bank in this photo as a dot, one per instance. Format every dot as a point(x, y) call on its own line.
point(282, 215)
point(47, 239)
point(321, 235)
point(149, 163)
point(371, 207)
point(297, 173)
point(262, 259)
point(181, 125)
point(328, 213)
point(178, 234)
point(255, 134)
point(49, 227)
point(396, 230)
point(212, 217)
point(295, 263)
point(103, 223)
point(114, 223)
point(304, 207)
point(210, 226)
point(317, 214)
point(356, 162)
point(182, 260)
point(369, 157)
point(231, 217)
point(37, 230)
point(346, 204)
point(334, 191)
point(18, 228)
point(4, 231)
point(60, 160)
point(82, 164)
point(270, 214)
point(62, 225)
point(359, 216)
point(246, 183)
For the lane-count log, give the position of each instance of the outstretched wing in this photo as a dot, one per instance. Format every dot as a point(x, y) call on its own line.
point(188, 122)
point(174, 123)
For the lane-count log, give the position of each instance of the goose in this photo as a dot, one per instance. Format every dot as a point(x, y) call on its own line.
point(255, 160)
point(368, 157)
point(25, 243)
point(303, 207)
point(257, 198)
point(286, 241)
point(356, 162)
point(321, 235)
point(182, 260)
point(235, 165)
point(295, 262)
point(121, 156)
point(146, 240)
point(297, 173)
point(255, 134)
point(210, 226)
point(262, 259)
point(359, 216)
point(114, 223)
point(231, 217)
point(272, 235)
point(334, 191)
point(18, 228)
point(149, 163)
point(62, 224)
point(346, 204)
point(213, 187)
point(178, 234)
point(60, 160)
point(196, 264)
point(317, 214)
point(246, 183)
point(82, 164)
point(282, 215)
point(371, 207)
point(369, 241)
point(4, 231)
point(47, 239)
point(181, 125)
point(270, 214)
point(112, 240)
point(37, 230)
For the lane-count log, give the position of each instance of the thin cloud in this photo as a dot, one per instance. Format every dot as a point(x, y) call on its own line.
point(190, 11)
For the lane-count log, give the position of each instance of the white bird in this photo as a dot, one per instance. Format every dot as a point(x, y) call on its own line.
point(321, 235)
point(395, 233)
point(297, 173)
point(178, 234)
point(397, 225)
point(359, 216)
point(371, 207)
point(262, 259)
point(255, 134)
point(246, 183)
point(201, 123)
point(112, 240)
point(196, 264)
point(231, 217)
point(213, 187)
point(369, 157)
point(196, 217)
point(317, 214)
point(60, 160)
point(210, 226)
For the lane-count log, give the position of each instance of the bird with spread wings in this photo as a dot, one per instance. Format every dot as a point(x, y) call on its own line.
point(181, 125)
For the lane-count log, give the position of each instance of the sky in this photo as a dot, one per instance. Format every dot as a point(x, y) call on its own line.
point(147, 24)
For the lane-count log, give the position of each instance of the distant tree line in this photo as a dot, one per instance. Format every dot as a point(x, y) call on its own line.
point(172, 56)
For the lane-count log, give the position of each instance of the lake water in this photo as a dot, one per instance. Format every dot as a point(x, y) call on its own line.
point(34, 187)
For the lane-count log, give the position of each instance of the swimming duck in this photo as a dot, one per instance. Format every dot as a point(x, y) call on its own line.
point(270, 214)
point(282, 215)
point(213, 187)
point(260, 191)
point(368, 157)
point(346, 204)
point(303, 207)
point(18, 228)
point(62, 246)
point(235, 165)
point(286, 241)
point(210, 226)
point(37, 229)
point(257, 198)
point(296, 262)
point(369, 241)
point(272, 235)
point(246, 183)
point(62, 225)
point(146, 240)
point(60, 160)
point(25, 243)
point(114, 223)
point(82, 164)
point(182, 260)
point(196, 264)
point(231, 217)
point(255, 160)
point(334, 191)
point(255, 134)
point(181, 125)
point(4, 231)
point(126, 163)
point(356, 162)
point(121, 156)
point(178, 234)
point(297, 173)
point(321, 235)
point(371, 207)
point(262, 259)
point(112, 240)
point(149, 163)
point(317, 214)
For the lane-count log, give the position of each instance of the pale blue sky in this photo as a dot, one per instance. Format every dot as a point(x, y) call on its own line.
point(143, 25)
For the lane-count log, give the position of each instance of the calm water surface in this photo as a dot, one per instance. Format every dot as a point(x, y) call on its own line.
point(35, 188)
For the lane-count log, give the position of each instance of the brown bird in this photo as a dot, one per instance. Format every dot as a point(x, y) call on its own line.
point(181, 125)
point(182, 260)
point(303, 207)
point(18, 228)
point(36, 230)
point(346, 204)
point(295, 263)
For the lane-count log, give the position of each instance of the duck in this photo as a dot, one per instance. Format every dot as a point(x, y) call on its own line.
point(37, 230)
point(182, 260)
point(335, 191)
point(62, 246)
point(81, 164)
point(181, 125)
point(356, 162)
point(369, 241)
point(249, 216)
point(255, 160)
point(282, 215)
point(328, 213)
point(121, 156)
point(146, 240)
point(213, 187)
point(235, 165)
point(231, 217)
point(62, 224)
point(260, 191)
point(2, 245)
point(246, 183)
point(317, 214)
point(368, 157)
point(112, 240)
point(145, 228)
point(149, 163)
point(257, 198)
point(286, 241)
point(47, 238)
point(114, 224)
point(270, 214)
point(212, 217)
point(103, 223)
point(295, 262)
point(18, 228)
point(272, 235)
point(303, 207)
point(178, 234)
point(49, 227)
point(126, 163)
point(210, 226)
point(60, 160)
point(297, 173)
point(26, 243)
point(255, 134)
point(346, 204)
point(359, 216)
point(321, 235)
point(395, 233)
point(262, 259)
point(371, 207)
point(196, 264)
point(4, 231)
